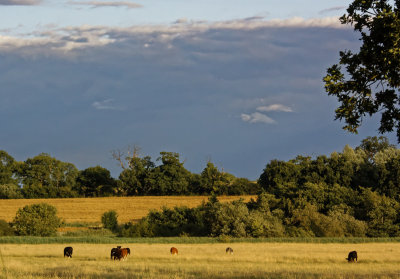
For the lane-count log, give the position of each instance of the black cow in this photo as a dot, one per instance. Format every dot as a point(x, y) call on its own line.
point(68, 252)
point(352, 256)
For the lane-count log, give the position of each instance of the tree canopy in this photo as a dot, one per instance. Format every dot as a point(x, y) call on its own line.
point(370, 82)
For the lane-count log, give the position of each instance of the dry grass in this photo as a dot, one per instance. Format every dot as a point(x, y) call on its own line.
point(250, 260)
point(89, 210)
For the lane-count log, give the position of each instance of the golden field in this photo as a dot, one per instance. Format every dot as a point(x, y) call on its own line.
point(90, 210)
point(250, 260)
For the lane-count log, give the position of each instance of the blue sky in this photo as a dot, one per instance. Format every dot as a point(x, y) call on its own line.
point(235, 82)
point(35, 13)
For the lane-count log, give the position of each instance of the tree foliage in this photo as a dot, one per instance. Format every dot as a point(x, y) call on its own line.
point(7, 168)
point(95, 182)
point(46, 177)
point(371, 79)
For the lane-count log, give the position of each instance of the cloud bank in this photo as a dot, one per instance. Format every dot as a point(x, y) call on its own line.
point(19, 2)
point(70, 38)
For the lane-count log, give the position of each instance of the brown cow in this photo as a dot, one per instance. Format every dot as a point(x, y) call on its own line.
point(352, 256)
point(174, 251)
point(229, 250)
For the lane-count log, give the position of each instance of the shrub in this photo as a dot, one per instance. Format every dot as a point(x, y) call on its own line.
point(352, 226)
point(110, 220)
point(317, 224)
point(5, 228)
point(37, 220)
point(141, 229)
point(228, 219)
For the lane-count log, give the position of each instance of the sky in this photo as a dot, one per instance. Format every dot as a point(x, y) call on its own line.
point(238, 83)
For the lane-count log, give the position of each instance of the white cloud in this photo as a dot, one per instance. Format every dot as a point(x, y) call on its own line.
point(105, 105)
point(257, 117)
point(275, 107)
point(20, 2)
point(97, 4)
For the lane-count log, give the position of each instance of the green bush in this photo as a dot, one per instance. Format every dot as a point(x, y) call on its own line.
point(110, 220)
point(5, 228)
point(37, 220)
point(141, 229)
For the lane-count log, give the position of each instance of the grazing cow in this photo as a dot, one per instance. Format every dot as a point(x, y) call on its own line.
point(68, 252)
point(125, 252)
point(174, 251)
point(114, 250)
point(121, 253)
point(352, 256)
point(229, 250)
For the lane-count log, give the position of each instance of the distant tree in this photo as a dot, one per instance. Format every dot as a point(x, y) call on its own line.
point(7, 168)
point(380, 213)
point(44, 177)
point(389, 179)
point(10, 191)
point(171, 177)
point(242, 186)
point(95, 182)
point(280, 178)
point(372, 145)
point(37, 220)
point(212, 180)
point(371, 80)
point(135, 178)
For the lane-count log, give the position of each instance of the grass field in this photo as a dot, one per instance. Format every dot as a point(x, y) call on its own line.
point(250, 260)
point(89, 210)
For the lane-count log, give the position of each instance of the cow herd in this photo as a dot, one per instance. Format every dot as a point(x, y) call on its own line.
point(120, 253)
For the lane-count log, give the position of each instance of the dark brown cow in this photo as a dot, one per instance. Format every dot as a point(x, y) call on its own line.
point(173, 251)
point(68, 252)
point(352, 256)
point(229, 250)
point(114, 250)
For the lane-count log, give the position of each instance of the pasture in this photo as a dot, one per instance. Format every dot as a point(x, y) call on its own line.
point(89, 210)
point(250, 260)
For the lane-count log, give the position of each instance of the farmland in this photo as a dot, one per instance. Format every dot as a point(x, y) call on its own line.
point(250, 260)
point(89, 210)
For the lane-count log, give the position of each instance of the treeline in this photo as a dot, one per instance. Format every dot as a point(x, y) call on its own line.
point(46, 177)
point(352, 193)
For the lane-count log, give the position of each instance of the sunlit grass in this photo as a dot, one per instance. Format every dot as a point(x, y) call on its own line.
point(250, 260)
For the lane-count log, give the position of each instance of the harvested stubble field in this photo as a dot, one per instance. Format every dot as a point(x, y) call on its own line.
point(250, 260)
point(89, 210)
